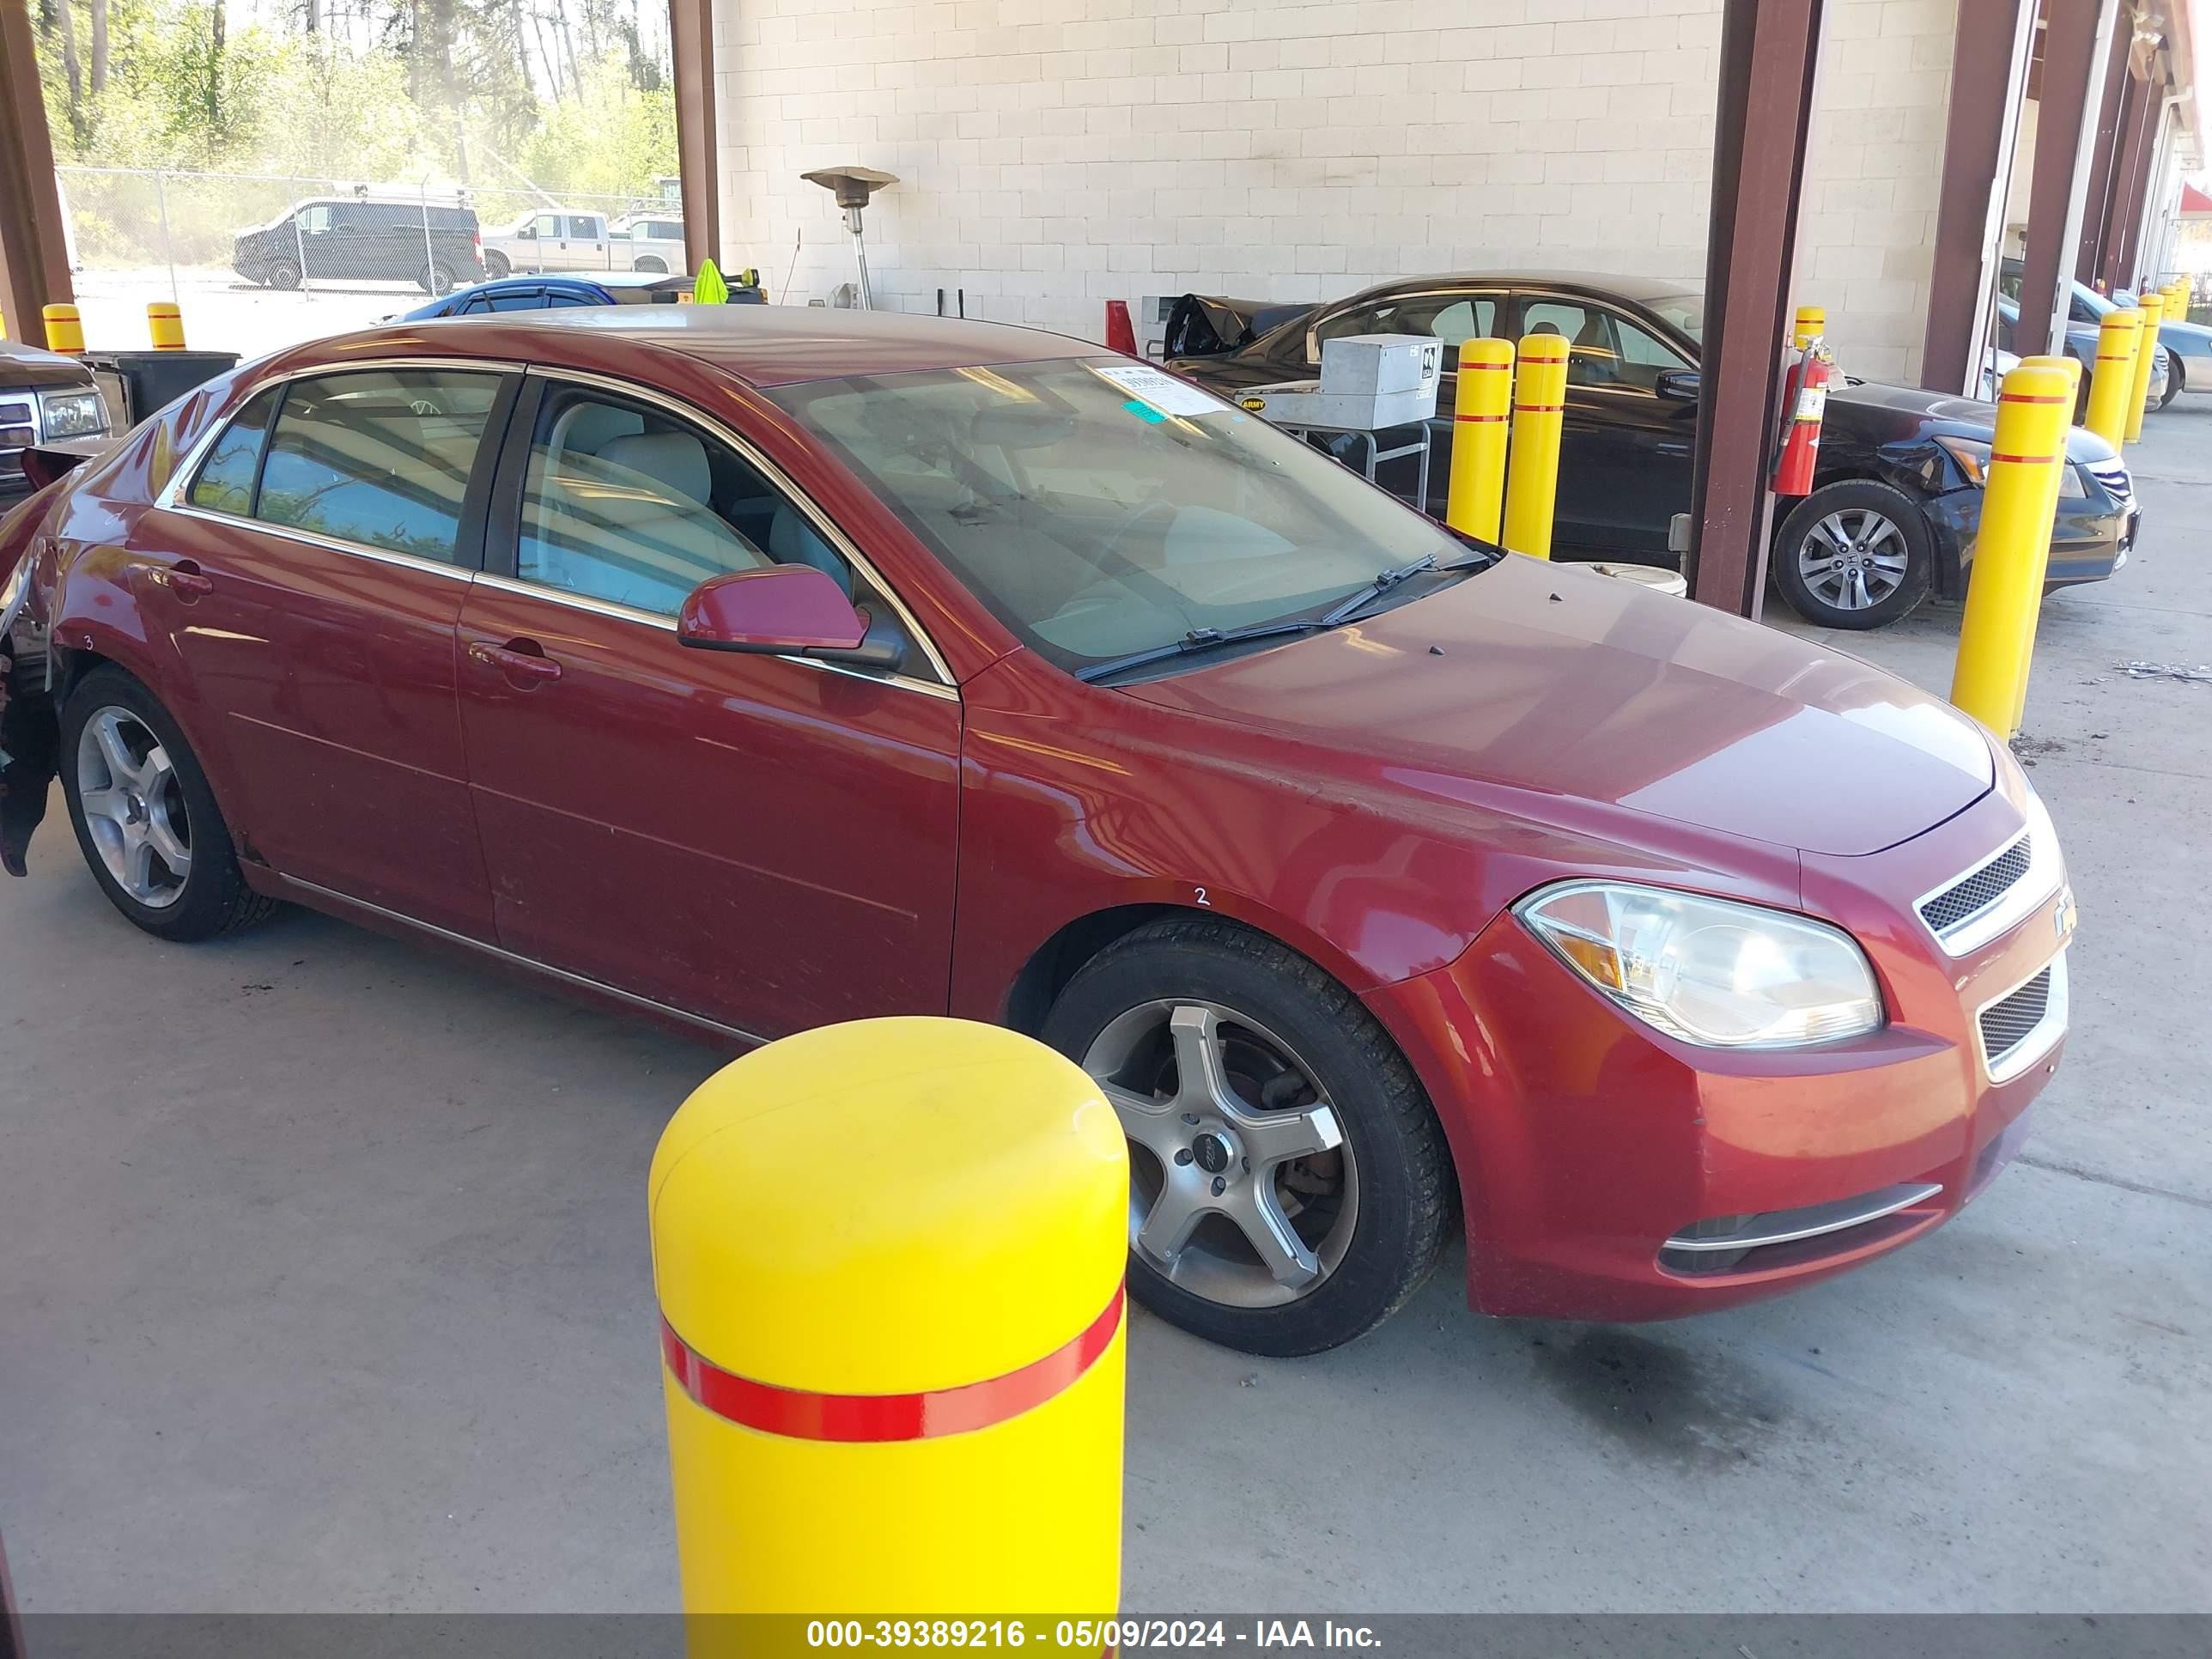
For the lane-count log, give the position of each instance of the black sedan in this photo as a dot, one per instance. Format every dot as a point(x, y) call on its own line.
point(1896, 496)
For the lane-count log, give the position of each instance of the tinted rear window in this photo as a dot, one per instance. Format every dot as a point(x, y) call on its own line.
point(381, 457)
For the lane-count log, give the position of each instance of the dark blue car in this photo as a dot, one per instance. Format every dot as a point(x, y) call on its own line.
point(613, 288)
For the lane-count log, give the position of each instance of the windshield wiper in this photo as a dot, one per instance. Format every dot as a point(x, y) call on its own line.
point(1197, 640)
point(1352, 603)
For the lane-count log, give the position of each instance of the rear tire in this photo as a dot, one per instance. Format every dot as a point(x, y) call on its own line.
point(141, 805)
point(496, 264)
point(438, 280)
point(656, 266)
point(1299, 1056)
point(2174, 376)
point(1857, 555)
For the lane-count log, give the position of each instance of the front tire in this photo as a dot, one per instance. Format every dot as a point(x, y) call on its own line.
point(144, 816)
point(1290, 1183)
point(284, 274)
point(2175, 377)
point(1857, 554)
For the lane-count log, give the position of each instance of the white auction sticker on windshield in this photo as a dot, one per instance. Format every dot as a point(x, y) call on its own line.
point(1161, 391)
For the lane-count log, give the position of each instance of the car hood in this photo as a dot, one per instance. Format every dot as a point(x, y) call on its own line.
point(1947, 412)
point(1563, 683)
point(22, 365)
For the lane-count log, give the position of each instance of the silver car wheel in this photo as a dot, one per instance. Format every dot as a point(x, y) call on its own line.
point(1854, 559)
point(134, 807)
point(1243, 1189)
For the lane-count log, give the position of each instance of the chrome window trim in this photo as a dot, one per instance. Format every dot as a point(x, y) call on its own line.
point(653, 619)
point(1501, 292)
point(782, 482)
point(2044, 876)
point(2041, 1038)
point(172, 495)
point(332, 543)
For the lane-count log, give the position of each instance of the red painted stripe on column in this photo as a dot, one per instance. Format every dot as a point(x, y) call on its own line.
point(803, 1414)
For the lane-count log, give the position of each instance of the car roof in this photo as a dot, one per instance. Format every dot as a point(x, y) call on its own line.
point(761, 345)
point(1639, 289)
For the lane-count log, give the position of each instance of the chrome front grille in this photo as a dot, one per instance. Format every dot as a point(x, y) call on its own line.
point(2007, 1021)
point(2113, 477)
point(1978, 889)
point(2019, 1027)
point(18, 430)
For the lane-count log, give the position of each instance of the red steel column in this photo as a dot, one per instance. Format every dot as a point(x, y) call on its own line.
point(692, 47)
point(2097, 208)
point(2075, 34)
point(1768, 50)
point(33, 262)
point(1986, 75)
point(2128, 206)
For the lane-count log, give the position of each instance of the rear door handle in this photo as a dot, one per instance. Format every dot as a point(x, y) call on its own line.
point(522, 661)
point(185, 579)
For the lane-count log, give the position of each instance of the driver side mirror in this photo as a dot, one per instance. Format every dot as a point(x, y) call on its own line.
point(1679, 383)
point(786, 610)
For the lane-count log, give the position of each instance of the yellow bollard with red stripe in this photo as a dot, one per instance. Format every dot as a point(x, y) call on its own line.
point(1474, 502)
point(889, 1258)
point(65, 330)
point(2119, 336)
point(2020, 495)
point(1812, 323)
point(1531, 484)
point(2153, 307)
point(2071, 369)
point(165, 325)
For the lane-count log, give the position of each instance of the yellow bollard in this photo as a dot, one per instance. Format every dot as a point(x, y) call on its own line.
point(1475, 501)
point(2020, 493)
point(1812, 323)
point(65, 330)
point(166, 324)
point(1539, 404)
point(2119, 336)
point(889, 1258)
point(2071, 369)
point(2153, 308)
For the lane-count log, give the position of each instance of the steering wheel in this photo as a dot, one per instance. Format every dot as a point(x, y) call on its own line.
point(1135, 516)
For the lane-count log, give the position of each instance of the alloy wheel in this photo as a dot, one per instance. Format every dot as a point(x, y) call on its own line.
point(1243, 1189)
point(134, 807)
point(1854, 559)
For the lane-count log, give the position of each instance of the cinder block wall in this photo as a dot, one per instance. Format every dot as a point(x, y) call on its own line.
point(1054, 153)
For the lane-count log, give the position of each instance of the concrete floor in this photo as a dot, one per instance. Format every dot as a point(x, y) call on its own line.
point(324, 1285)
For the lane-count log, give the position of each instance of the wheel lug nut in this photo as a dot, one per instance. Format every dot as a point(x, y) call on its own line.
point(1182, 1155)
point(1220, 1186)
point(1190, 1117)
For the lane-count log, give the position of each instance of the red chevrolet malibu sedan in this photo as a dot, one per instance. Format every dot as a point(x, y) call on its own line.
point(764, 668)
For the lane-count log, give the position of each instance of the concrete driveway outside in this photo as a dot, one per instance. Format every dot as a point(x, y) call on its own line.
point(324, 1286)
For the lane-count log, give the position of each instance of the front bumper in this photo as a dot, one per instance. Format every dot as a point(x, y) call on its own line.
point(2090, 536)
point(1611, 1173)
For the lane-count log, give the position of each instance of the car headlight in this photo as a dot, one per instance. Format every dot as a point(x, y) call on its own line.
point(1708, 970)
point(1973, 456)
point(72, 414)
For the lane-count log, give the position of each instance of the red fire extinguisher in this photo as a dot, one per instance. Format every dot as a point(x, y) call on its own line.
point(1806, 402)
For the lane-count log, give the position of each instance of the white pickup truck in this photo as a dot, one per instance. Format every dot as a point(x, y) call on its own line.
point(570, 238)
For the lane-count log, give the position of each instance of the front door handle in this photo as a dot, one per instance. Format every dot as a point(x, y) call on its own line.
point(522, 661)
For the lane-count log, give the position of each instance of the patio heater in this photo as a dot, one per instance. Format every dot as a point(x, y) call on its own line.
point(852, 186)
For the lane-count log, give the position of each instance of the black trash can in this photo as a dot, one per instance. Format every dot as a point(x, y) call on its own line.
point(137, 383)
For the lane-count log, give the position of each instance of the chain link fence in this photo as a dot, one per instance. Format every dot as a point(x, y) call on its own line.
point(257, 262)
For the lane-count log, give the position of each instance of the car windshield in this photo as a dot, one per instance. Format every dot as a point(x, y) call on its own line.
point(1685, 311)
point(1101, 508)
point(2096, 301)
